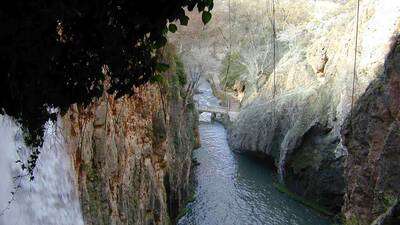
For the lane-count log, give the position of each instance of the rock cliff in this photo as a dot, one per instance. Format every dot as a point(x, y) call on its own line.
point(371, 135)
point(132, 156)
point(299, 128)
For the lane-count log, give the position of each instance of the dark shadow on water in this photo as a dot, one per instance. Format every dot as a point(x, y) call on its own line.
point(238, 189)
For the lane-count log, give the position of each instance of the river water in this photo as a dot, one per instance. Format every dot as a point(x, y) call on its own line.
point(234, 189)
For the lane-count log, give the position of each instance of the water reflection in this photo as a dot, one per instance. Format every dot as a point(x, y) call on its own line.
point(237, 190)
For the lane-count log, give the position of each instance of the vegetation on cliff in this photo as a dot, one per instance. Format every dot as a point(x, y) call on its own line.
point(132, 155)
point(57, 53)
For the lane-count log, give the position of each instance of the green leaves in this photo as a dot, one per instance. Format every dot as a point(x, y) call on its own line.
point(162, 67)
point(206, 17)
point(172, 28)
point(68, 69)
point(160, 42)
point(210, 4)
point(184, 20)
point(157, 78)
point(205, 3)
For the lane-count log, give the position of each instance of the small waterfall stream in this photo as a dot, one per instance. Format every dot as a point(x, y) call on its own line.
point(51, 198)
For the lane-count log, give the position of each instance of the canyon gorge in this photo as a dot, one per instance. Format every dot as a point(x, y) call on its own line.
point(275, 112)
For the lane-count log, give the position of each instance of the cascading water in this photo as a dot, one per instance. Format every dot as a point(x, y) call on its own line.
point(51, 198)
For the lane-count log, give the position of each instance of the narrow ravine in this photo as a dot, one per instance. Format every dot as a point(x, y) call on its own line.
point(235, 189)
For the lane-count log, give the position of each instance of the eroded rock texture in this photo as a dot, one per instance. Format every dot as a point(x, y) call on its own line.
point(372, 137)
point(299, 128)
point(132, 156)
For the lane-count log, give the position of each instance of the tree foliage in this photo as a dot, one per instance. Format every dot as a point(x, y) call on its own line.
point(236, 69)
point(55, 53)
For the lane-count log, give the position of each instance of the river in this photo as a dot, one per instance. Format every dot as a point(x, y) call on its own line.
point(234, 189)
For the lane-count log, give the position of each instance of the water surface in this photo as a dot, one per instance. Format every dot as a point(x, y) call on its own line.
point(234, 189)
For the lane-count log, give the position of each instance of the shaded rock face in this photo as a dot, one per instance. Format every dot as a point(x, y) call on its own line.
point(304, 145)
point(372, 137)
point(391, 217)
point(132, 156)
point(312, 168)
point(300, 127)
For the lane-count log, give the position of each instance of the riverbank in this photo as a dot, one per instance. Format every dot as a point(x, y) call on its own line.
point(237, 189)
point(226, 121)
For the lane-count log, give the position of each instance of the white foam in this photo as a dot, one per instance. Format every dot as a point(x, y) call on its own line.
point(50, 199)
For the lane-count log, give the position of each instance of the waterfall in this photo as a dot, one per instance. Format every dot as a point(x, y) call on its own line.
point(51, 198)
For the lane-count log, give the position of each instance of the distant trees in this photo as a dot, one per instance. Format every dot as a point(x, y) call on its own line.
point(236, 69)
point(245, 34)
point(56, 53)
point(245, 39)
point(250, 39)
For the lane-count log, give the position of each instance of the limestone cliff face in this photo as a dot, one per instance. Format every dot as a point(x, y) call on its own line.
point(300, 128)
point(132, 156)
point(372, 137)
